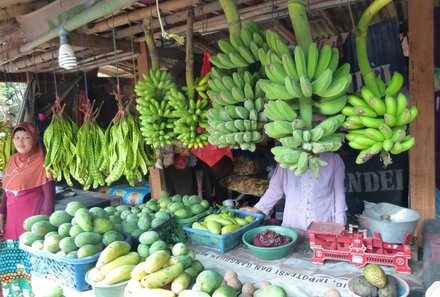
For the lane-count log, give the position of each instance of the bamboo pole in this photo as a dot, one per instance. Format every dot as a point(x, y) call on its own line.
point(232, 16)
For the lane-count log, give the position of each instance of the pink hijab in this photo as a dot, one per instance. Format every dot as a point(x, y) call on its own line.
point(26, 171)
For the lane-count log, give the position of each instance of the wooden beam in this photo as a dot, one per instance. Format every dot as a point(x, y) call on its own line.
point(203, 46)
point(9, 12)
point(334, 25)
point(139, 14)
point(287, 34)
point(92, 41)
point(421, 82)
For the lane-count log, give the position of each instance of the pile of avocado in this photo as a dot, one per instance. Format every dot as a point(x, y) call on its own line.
point(374, 283)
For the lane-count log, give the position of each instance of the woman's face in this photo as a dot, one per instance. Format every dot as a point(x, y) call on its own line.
point(23, 142)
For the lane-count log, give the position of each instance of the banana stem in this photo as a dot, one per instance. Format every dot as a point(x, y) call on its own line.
point(149, 39)
point(232, 16)
point(361, 44)
point(305, 110)
point(190, 55)
point(300, 23)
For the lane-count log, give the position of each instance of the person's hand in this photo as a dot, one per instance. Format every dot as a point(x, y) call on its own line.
point(250, 209)
point(2, 225)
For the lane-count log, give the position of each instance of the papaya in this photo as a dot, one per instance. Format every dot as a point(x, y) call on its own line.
point(73, 206)
point(75, 230)
point(111, 236)
point(138, 271)
point(41, 228)
point(84, 219)
point(67, 244)
point(101, 225)
point(179, 249)
point(110, 210)
point(72, 255)
point(194, 199)
point(119, 274)
point(132, 258)
point(85, 238)
point(27, 224)
point(54, 290)
point(162, 277)
point(158, 246)
point(156, 292)
point(271, 291)
point(144, 223)
point(59, 217)
point(156, 260)
point(181, 283)
point(229, 228)
point(196, 209)
point(52, 243)
point(214, 227)
point(98, 212)
point(208, 281)
point(64, 229)
point(88, 250)
point(28, 238)
point(226, 291)
point(113, 251)
point(38, 244)
point(143, 250)
point(149, 237)
point(156, 222)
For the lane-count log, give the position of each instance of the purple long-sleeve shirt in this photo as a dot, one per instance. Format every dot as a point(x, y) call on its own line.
point(308, 199)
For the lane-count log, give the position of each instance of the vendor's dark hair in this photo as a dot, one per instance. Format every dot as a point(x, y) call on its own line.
point(20, 129)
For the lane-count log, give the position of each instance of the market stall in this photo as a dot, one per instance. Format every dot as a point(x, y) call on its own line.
point(256, 93)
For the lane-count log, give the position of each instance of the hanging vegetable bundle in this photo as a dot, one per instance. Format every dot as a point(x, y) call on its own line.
point(90, 149)
point(60, 141)
point(6, 146)
point(125, 150)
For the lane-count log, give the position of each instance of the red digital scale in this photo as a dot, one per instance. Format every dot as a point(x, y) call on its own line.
point(330, 241)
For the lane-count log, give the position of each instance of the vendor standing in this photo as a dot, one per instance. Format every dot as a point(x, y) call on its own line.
point(307, 199)
point(27, 192)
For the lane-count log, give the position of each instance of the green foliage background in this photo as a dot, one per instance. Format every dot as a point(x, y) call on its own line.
point(11, 98)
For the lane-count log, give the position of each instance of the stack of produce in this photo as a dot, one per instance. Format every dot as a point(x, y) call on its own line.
point(75, 232)
point(308, 80)
point(184, 207)
point(60, 139)
point(210, 283)
point(236, 117)
point(373, 282)
point(138, 219)
point(156, 113)
point(223, 223)
point(377, 121)
point(90, 148)
point(125, 153)
point(6, 146)
point(164, 274)
point(149, 243)
point(190, 115)
point(115, 264)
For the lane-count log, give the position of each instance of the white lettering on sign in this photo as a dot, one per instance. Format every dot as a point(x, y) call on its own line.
point(386, 180)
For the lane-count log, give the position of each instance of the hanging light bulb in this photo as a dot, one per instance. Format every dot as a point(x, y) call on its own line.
point(66, 55)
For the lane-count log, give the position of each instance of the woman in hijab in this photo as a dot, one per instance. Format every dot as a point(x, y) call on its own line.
point(28, 191)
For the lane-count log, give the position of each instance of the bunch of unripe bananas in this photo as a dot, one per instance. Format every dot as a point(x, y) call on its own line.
point(379, 123)
point(300, 146)
point(60, 140)
point(6, 146)
point(241, 50)
point(237, 114)
point(125, 152)
point(312, 74)
point(190, 115)
point(157, 122)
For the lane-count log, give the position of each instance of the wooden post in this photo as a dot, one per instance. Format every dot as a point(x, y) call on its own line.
point(421, 82)
point(156, 178)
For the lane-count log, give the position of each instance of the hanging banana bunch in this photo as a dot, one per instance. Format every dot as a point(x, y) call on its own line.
point(126, 153)
point(90, 150)
point(236, 118)
point(191, 121)
point(191, 108)
point(6, 145)
point(153, 104)
point(378, 117)
point(60, 141)
point(304, 82)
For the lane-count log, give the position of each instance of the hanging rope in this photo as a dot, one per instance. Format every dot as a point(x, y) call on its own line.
point(114, 48)
point(54, 74)
point(133, 61)
point(84, 69)
point(179, 39)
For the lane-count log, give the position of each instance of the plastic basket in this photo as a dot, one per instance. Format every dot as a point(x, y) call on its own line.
point(65, 271)
point(179, 233)
point(223, 243)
